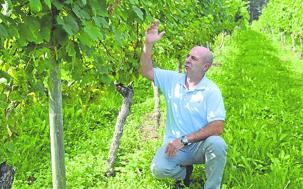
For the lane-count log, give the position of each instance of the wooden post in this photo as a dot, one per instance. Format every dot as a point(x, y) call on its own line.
point(301, 44)
point(293, 42)
point(281, 38)
point(272, 33)
point(180, 65)
point(56, 125)
point(208, 45)
point(284, 39)
point(222, 40)
point(127, 93)
point(6, 176)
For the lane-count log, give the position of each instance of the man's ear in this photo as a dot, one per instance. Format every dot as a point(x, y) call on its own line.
point(206, 67)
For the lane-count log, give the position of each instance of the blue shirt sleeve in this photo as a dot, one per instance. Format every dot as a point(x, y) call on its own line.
point(215, 106)
point(164, 79)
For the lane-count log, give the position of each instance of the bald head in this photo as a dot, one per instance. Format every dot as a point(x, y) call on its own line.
point(205, 54)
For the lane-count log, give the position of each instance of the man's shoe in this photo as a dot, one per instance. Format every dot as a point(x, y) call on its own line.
point(189, 171)
point(187, 181)
point(179, 184)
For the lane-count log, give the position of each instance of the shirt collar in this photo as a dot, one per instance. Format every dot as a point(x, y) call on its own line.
point(201, 85)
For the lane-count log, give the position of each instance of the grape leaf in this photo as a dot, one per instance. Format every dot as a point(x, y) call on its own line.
point(35, 5)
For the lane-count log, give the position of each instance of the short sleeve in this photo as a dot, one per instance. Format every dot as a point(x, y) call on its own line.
point(215, 106)
point(164, 79)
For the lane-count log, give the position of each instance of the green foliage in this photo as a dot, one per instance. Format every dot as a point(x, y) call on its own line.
point(96, 42)
point(282, 16)
point(108, 33)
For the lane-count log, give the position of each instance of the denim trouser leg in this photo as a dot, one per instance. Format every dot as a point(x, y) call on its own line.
point(211, 151)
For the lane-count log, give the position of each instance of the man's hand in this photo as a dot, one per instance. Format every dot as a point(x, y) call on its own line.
point(152, 35)
point(173, 147)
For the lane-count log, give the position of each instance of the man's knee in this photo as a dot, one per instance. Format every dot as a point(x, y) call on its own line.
point(216, 146)
point(159, 171)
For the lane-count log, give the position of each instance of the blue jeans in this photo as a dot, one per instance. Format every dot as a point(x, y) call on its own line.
point(211, 151)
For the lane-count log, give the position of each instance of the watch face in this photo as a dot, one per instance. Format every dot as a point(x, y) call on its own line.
point(184, 140)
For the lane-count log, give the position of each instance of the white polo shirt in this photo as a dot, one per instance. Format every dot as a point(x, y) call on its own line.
point(188, 110)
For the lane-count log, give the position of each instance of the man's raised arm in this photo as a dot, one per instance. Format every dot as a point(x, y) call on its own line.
point(151, 36)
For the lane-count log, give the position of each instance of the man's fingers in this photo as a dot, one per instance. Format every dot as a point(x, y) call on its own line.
point(153, 30)
point(156, 22)
point(172, 153)
point(155, 25)
point(170, 150)
point(161, 34)
point(152, 27)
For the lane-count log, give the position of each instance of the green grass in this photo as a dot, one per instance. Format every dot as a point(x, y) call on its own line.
point(264, 102)
point(262, 85)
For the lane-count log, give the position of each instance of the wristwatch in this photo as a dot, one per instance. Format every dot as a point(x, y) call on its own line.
point(184, 140)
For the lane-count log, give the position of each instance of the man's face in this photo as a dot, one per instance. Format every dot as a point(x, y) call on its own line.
point(194, 62)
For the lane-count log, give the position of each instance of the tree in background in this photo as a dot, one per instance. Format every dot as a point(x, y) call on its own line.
point(255, 8)
point(83, 46)
point(283, 18)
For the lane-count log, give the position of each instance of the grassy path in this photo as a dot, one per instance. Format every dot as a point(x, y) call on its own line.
point(263, 86)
